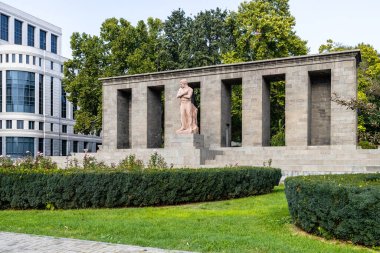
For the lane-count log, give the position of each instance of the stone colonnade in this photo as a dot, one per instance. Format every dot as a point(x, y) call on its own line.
point(132, 105)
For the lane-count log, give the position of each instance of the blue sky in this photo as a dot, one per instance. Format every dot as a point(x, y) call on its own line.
point(347, 21)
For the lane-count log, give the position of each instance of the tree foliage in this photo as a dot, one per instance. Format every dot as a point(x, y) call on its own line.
point(264, 29)
point(81, 80)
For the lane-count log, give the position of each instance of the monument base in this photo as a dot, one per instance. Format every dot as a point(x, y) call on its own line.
point(189, 151)
point(181, 150)
point(185, 141)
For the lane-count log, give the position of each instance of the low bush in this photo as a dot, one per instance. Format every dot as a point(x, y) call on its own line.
point(131, 163)
point(28, 162)
point(345, 207)
point(367, 145)
point(156, 161)
point(67, 189)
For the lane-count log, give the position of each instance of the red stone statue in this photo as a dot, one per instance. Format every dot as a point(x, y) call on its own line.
point(189, 124)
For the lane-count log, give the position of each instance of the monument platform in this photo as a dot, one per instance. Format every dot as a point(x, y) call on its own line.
point(182, 150)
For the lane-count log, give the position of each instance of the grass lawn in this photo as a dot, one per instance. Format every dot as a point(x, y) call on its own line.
point(254, 224)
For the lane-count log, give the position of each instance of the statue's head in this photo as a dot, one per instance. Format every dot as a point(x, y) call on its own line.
point(183, 83)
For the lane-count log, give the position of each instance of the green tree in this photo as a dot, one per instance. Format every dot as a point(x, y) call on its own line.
point(196, 41)
point(210, 38)
point(129, 49)
point(264, 29)
point(81, 81)
point(175, 43)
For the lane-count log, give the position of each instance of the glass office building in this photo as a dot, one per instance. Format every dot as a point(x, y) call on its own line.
point(35, 115)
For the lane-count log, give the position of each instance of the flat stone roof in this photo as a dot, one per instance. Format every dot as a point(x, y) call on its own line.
point(277, 62)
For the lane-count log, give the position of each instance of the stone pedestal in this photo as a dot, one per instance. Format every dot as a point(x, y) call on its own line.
point(186, 141)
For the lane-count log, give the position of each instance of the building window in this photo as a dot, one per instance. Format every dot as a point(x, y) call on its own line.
point(63, 102)
point(31, 125)
point(51, 147)
point(18, 32)
point(41, 126)
point(51, 127)
point(7, 58)
point(1, 92)
point(52, 65)
point(75, 148)
point(40, 62)
point(34, 60)
point(41, 94)
point(64, 128)
point(1, 127)
point(19, 146)
point(20, 124)
point(4, 27)
point(42, 39)
point(41, 145)
point(64, 147)
point(20, 91)
point(54, 42)
point(13, 58)
point(61, 68)
point(30, 36)
point(9, 124)
point(27, 59)
point(20, 58)
point(51, 95)
point(1, 58)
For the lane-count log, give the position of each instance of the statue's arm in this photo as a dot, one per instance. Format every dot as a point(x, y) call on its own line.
point(189, 93)
point(180, 93)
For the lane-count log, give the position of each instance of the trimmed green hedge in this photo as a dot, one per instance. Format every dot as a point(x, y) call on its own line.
point(345, 207)
point(68, 189)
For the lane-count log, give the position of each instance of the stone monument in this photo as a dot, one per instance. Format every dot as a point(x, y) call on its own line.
point(320, 135)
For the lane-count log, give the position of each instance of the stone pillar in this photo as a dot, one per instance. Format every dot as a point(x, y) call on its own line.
point(225, 113)
point(211, 108)
point(252, 109)
point(343, 120)
point(109, 117)
point(296, 106)
point(139, 115)
point(172, 113)
point(320, 108)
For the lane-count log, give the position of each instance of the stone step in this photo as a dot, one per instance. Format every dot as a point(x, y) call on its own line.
point(286, 162)
point(288, 158)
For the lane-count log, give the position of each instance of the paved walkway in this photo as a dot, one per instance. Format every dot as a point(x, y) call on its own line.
point(23, 243)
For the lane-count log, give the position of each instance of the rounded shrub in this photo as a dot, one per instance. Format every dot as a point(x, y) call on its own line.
point(345, 207)
point(65, 189)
